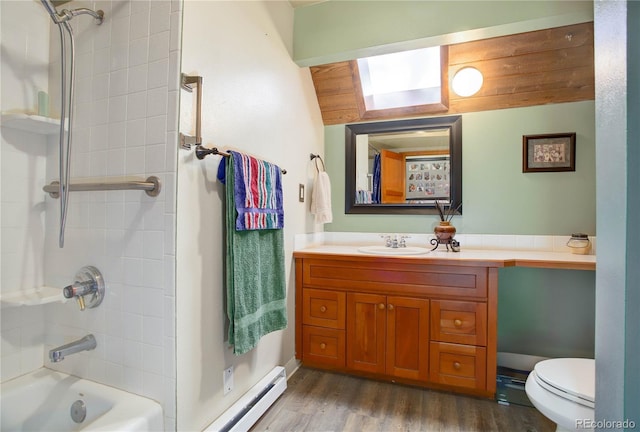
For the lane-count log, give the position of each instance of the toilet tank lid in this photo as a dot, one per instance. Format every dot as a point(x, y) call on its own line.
point(575, 376)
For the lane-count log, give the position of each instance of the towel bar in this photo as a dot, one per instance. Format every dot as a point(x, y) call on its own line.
point(202, 152)
point(187, 83)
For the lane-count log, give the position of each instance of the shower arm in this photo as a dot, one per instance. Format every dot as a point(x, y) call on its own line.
point(66, 15)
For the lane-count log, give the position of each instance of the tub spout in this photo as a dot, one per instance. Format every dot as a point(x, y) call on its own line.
point(87, 343)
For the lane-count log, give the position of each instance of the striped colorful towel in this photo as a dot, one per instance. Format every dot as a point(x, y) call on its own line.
point(258, 193)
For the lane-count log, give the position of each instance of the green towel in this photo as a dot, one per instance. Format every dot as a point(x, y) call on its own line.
point(256, 286)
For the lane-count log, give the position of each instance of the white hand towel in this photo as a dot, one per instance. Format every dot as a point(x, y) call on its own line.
point(321, 198)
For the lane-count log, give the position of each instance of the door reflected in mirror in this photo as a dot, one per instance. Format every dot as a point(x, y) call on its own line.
point(403, 166)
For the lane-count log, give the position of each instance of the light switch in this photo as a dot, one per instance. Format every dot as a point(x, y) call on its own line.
point(301, 192)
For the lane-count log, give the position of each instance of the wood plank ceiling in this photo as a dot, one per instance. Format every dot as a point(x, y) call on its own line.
point(536, 68)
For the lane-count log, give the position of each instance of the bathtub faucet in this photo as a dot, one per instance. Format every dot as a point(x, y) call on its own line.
point(87, 343)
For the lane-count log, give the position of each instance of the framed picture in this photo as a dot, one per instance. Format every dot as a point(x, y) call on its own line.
point(549, 153)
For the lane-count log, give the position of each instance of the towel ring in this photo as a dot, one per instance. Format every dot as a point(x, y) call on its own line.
point(316, 157)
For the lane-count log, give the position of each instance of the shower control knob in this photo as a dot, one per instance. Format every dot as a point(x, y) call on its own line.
point(88, 288)
point(80, 289)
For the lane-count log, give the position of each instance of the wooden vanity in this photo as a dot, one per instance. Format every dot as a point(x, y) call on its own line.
point(428, 320)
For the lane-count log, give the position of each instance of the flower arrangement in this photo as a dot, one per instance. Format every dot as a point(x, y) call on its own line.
point(446, 216)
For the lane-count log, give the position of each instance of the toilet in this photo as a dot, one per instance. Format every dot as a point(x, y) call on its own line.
point(563, 390)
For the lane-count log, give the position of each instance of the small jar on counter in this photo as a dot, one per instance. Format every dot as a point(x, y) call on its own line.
point(579, 244)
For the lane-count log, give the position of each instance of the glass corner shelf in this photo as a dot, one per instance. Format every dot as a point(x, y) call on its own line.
point(31, 123)
point(32, 297)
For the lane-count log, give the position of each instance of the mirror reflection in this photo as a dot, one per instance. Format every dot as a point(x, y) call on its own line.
point(403, 166)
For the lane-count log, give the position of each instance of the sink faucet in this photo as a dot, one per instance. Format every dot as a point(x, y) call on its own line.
point(87, 343)
point(392, 240)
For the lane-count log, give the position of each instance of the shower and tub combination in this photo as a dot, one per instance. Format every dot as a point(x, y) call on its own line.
point(44, 399)
point(48, 400)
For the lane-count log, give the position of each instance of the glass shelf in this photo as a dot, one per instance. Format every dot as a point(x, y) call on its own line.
point(31, 123)
point(33, 297)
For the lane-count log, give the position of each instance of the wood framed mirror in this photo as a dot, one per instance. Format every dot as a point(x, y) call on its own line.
point(404, 166)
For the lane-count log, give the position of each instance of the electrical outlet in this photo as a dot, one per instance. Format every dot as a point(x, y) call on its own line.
point(227, 380)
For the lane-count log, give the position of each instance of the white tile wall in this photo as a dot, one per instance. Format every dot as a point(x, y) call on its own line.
point(125, 125)
point(23, 161)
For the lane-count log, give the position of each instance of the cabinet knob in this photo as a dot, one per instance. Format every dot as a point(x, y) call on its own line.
point(390, 307)
point(323, 308)
point(381, 306)
point(456, 365)
point(323, 345)
point(457, 322)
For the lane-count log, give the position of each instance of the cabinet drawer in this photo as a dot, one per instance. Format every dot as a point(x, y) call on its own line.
point(459, 322)
point(322, 346)
point(323, 308)
point(396, 278)
point(458, 365)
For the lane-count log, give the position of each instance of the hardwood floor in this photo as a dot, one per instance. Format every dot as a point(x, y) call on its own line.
point(324, 401)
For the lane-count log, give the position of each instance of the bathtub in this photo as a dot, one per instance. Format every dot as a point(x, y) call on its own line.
point(44, 400)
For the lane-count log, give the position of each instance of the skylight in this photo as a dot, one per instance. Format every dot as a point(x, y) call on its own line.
point(401, 79)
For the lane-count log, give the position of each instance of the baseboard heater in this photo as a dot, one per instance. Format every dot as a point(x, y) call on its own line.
point(249, 408)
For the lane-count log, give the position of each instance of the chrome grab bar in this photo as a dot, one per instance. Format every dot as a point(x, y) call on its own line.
point(151, 186)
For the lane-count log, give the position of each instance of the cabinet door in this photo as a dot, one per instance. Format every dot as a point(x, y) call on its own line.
point(408, 338)
point(366, 322)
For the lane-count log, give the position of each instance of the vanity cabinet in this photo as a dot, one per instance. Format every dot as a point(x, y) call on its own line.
point(420, 321)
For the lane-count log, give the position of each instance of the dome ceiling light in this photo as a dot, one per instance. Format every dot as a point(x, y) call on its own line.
point(467, 81)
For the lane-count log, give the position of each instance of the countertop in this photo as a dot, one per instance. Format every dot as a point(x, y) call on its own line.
point(481, 257)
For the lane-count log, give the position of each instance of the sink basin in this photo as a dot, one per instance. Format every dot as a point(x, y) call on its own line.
point(383, 250)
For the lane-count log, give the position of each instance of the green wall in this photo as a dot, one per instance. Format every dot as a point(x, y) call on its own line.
point(617, 66)
point(544, 312)
point(498, 198)
point(344, 30)
point(632, 329)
